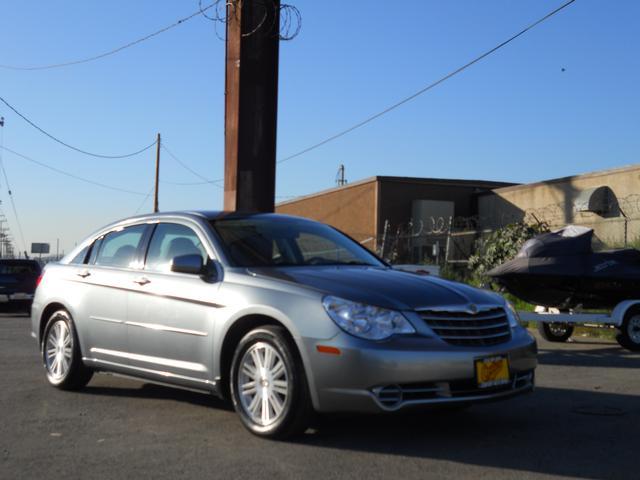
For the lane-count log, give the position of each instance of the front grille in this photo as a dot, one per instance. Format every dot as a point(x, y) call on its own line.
point(488, 327)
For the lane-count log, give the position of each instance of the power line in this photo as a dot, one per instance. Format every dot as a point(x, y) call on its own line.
point(144, 200)
point(13, 203)
point(71, 175)
point(427, 88)
point(191, 170)
point(71, 146)
point(115, 50)
point(15, 211)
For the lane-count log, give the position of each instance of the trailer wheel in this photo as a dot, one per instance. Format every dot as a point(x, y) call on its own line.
point(629, 335)
point(555, 332)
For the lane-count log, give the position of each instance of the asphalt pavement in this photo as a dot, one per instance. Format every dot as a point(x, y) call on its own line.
point(582, 421)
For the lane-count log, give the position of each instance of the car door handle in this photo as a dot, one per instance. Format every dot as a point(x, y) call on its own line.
point(142, 281)
point(84, 274)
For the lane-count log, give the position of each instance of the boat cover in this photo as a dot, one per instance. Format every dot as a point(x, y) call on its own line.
point(560, 269)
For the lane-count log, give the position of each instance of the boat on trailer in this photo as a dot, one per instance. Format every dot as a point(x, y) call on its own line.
point(562, 274)
point(560, 270)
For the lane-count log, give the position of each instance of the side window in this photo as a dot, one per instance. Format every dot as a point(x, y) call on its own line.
point(172, 240)
point(81, 257)
point(118, 249)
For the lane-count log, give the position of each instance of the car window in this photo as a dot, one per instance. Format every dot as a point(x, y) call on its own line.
point(18, 268)
point(172, 240)
point(80, 257)
point(118, 249)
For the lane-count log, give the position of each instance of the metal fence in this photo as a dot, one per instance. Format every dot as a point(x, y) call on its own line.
point(453, 240)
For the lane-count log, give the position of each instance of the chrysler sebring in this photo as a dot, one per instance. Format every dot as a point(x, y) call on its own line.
point(282, 315)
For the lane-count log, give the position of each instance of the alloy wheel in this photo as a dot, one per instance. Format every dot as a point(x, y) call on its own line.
point(263, 384)
point(58, 350)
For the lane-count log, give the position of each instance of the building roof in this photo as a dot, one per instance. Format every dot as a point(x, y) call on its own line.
point(484, 184)
point(600, 173)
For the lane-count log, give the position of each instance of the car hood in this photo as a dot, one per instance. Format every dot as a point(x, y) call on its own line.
point(383, 287)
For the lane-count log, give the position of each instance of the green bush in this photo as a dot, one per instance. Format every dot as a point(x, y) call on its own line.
point(500, 246)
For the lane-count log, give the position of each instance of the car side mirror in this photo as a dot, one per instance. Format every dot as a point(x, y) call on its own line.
point(187, 264)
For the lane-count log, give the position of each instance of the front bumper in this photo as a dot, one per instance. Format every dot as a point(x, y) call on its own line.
point(412, 371)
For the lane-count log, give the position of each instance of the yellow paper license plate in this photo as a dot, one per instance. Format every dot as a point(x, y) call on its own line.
point(492, 371)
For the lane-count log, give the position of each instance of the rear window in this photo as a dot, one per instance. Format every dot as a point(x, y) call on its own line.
point(26, 268)
point(119, 248)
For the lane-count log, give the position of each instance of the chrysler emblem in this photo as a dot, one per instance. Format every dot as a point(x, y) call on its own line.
point(473, 308)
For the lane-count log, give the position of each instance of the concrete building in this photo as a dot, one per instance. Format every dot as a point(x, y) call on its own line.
point(607, 201)
point(418, 209)
point(361, 209)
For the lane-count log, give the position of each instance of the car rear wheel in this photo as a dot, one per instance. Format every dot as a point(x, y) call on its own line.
point(629, 335)
point(268, 385)
point(61, 354)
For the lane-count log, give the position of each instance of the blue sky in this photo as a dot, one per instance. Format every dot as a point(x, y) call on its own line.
point(516, 116)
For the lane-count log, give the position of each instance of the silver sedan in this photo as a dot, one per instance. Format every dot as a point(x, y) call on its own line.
point(282, 315)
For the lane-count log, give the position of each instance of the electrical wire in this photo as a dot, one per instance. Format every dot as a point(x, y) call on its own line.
point(427, 88)
point(71, 175)
point(13, 203)
point(115, 50)
point(189, 169)
point(6, 178)
point(144, 200)
point(55, 139)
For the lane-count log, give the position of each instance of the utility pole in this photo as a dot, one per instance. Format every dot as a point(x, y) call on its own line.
point(251, 104)
point(340, 180)
point(155, 196)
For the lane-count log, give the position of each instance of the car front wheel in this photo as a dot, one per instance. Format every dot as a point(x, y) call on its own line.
point(61, 354)
point(268, 385)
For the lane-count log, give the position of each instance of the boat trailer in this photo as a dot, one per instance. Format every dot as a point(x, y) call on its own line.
point(557, 326)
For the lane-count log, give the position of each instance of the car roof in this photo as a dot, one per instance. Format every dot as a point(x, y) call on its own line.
point(206, 215)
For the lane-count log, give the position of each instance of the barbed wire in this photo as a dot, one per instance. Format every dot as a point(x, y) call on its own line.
point(290, 22)
point(288, 18)
point(554, 215)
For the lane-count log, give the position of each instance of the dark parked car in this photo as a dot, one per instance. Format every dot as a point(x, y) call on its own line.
point(18, 280)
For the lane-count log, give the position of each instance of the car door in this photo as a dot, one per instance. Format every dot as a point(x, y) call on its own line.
point(171, 315)
point(107, 278)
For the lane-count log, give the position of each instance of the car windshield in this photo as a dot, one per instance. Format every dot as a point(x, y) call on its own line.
point(281, 241)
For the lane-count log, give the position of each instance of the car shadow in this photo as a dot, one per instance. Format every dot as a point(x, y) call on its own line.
point(553, 431)
point(159, 392)
point(607, 356)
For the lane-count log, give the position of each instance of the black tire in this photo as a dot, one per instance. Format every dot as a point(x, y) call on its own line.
point(77, 374)
point(296, 408)
point(629, 334)
point(555, 332)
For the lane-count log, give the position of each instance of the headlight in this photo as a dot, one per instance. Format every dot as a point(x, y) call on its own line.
point(366, 321)
point(512, 315)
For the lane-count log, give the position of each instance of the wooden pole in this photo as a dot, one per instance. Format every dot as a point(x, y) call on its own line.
point(251, 105)
point(155, 196)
